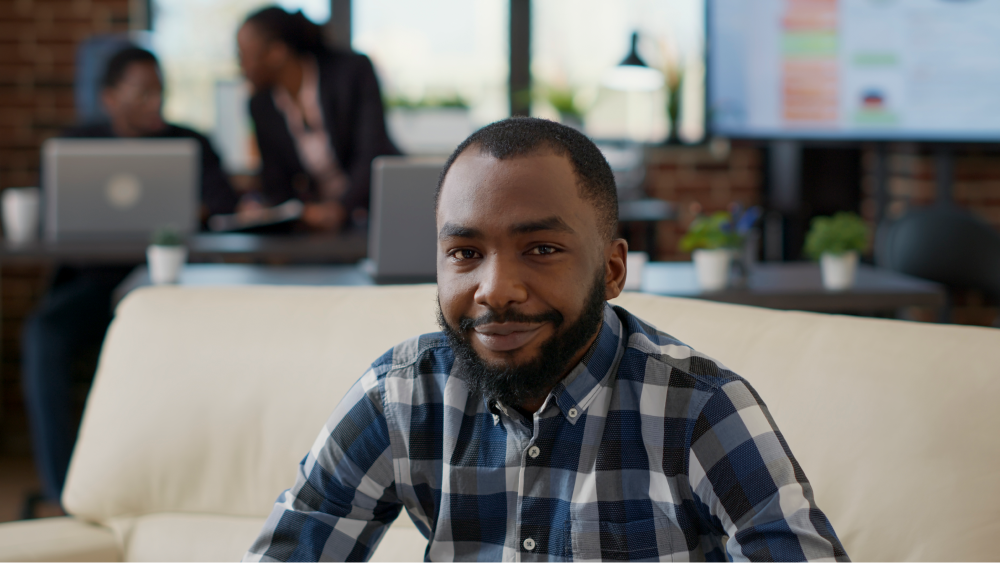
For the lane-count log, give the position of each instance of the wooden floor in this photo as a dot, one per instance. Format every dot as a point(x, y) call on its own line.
point(17, 480)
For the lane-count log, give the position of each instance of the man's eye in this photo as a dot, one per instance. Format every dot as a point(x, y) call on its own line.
point(543, 249)
point(464, 254)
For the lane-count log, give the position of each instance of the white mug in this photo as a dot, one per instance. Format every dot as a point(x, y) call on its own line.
point(20, 214)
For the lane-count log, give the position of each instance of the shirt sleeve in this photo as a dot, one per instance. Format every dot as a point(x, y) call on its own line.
point(749, 487)
point(344, 498)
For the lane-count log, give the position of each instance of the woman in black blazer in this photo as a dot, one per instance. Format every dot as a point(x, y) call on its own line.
point(318, 116)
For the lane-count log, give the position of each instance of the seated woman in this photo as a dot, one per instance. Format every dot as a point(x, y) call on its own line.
point(318, 116)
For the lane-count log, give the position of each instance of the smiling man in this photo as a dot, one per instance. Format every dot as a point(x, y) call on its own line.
point(543, 423)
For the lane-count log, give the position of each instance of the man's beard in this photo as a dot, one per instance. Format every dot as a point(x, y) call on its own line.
point(513, 384)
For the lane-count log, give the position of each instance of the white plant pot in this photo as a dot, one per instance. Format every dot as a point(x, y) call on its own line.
point(165, 263)
point(712, 268)
point(838, 270)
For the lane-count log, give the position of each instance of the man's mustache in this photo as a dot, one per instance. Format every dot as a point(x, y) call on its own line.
point(465, 324)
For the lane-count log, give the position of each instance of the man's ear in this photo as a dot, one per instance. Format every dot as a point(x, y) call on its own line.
point(615, 268)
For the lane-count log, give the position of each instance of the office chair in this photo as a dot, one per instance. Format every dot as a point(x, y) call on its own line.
point(92, 56)
point(946, 244)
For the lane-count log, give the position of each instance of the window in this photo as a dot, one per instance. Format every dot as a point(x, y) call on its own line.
point(575, 43)
point(442, 66)
point(195, 41)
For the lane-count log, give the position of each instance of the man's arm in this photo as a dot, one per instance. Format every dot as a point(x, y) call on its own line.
point(345, 496)
point(749, 485)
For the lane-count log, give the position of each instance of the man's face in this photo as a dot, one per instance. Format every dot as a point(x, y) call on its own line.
point(136, 100)
point(521, 255)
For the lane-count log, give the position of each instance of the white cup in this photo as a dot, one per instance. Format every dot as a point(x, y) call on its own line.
point(20, 214)
point(634, 264)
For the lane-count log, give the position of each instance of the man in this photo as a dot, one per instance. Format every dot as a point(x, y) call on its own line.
point(543, 423)
point(73, 317)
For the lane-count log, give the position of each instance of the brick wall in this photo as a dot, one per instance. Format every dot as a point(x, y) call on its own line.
point(696, 175)
point(911, 181)
point(37, 49)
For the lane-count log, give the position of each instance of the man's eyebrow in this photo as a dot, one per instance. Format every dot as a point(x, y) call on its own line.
point(451, 230)
point(548, 224)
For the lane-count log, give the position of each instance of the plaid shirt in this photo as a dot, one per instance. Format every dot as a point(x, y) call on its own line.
point(647, 450)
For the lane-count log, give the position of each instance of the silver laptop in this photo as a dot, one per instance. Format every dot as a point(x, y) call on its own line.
point(119, 188)
point(402, 236)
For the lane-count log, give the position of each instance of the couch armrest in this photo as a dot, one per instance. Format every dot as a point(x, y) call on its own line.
point(57, 539)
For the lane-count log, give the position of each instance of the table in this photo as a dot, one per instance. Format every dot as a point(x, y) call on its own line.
point(798, 285)
point(251, 274)
point(344, 248)
point(773, 285)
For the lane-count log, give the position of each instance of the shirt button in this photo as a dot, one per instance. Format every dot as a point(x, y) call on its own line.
point(496, 419)
point(533, 451)
point(529, 544)
point(572, 413)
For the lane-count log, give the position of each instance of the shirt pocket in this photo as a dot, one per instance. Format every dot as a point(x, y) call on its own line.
point(640, 540)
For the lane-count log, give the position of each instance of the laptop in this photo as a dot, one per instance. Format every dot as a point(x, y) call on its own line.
point(402, 232)
point(119, 188)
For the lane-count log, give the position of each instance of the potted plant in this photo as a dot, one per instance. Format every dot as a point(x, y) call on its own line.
point(835, 242)
point(166, 256)
point(712, 241)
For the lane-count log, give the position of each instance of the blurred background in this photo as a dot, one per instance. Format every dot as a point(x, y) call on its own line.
point(802, 107)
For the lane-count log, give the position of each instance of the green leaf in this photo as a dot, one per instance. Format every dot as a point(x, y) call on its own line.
point(844, 232)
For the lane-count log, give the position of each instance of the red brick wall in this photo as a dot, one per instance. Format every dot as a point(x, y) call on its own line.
point(37, 49)
point(694, 175)
point(912, 183)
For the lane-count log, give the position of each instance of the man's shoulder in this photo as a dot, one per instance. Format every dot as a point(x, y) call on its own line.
point(418, 354)
point(93, 130)
point(688, 367)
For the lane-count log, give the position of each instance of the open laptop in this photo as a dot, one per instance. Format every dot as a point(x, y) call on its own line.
point(119, 188)
point(402, 235)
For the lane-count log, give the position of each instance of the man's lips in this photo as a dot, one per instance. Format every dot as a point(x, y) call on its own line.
point(504, 337)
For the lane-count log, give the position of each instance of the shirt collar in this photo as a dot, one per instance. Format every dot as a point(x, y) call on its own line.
point(578, 389)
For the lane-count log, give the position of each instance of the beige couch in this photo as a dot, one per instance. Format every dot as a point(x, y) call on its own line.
point(206, 400)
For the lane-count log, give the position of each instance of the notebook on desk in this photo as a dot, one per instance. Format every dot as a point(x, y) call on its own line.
point(119, 188)
point(402, 233)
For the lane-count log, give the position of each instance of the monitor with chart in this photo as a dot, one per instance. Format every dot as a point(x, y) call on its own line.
point(855, 69)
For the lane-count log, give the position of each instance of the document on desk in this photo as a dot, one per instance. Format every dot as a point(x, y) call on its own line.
point(291, 210)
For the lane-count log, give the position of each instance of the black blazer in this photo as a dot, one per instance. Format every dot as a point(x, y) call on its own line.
point(355, 122)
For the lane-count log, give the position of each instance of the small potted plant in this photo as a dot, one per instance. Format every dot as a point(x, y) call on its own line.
point(166, 256)
point(836, 242)
point(712, 241)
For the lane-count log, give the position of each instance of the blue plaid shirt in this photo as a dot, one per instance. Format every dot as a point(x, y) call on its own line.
point(647, 450)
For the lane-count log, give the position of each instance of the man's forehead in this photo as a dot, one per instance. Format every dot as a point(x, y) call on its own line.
point(477, 172)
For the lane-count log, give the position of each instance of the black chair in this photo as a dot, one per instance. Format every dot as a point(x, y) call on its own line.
point(946, 244)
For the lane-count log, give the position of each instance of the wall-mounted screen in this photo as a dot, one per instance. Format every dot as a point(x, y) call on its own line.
point(855, 69)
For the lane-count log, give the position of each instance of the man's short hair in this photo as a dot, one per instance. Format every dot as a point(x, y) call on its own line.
point(523, 136)
point(119, 63)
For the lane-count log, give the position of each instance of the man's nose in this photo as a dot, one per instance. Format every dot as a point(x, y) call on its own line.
point(500, 284)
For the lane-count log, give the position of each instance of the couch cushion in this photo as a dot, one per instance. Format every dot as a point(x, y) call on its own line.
point(206, 399)
point(57, 539)
point(198, 537)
